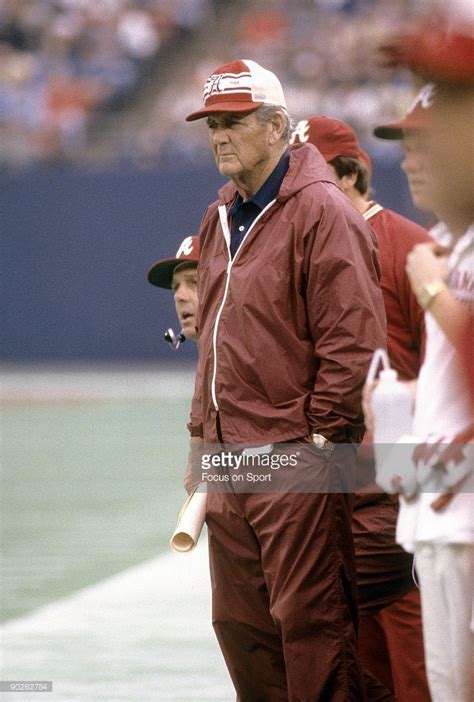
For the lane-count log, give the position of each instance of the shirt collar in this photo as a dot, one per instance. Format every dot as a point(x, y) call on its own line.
point(269, 189)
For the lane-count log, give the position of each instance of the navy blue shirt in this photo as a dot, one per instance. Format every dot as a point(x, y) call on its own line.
point(244, 213)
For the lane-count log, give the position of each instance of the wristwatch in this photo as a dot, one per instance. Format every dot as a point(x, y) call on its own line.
point(321, 442)
point(427, 293)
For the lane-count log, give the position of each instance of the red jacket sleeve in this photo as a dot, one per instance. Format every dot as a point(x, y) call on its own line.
point(346, 315)
point(195, 418)
point(195, 425)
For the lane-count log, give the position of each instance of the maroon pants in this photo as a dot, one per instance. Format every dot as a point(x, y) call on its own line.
point(391, 648)
point(284, 596)
point(390, 633)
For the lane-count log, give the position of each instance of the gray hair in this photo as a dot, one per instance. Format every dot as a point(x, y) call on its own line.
point(267, 112)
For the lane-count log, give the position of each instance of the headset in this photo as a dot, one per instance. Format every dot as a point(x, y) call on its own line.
point(173, 340)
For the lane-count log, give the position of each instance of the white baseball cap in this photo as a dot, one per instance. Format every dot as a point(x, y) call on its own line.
point(240, 86)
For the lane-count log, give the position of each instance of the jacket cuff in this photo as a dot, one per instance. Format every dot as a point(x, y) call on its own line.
point(195, 430)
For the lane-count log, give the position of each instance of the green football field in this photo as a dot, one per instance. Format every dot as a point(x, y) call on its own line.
point(88, 490)
point(92, 597)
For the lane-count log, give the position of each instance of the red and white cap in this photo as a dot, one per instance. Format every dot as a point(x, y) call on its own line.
point(417, 116)
point(239, 86)
point(161, 272)
point(332, 137)
point(441, 47)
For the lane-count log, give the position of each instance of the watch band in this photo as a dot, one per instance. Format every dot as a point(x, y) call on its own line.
point(321, 442)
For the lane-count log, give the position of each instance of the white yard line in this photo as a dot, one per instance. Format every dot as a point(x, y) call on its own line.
point(144, 634)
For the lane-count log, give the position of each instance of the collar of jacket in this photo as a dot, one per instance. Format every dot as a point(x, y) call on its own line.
point(307, 166)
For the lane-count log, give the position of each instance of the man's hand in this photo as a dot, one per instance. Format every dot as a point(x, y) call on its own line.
point(427, 263)
point(191, 478)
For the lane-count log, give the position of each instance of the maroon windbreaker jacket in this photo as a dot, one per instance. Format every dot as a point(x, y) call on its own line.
point(287, 328)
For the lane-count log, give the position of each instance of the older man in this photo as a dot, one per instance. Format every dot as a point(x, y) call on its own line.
point(290, 311)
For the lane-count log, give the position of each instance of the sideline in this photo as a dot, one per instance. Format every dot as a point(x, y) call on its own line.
point(143, 634)
point(49, 383)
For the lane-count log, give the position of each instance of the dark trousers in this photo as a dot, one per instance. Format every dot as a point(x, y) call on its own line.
point(390, 626)
point(391, 648)
point(284, 595)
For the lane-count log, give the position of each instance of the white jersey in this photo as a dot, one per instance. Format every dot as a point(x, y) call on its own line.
point(442, 410)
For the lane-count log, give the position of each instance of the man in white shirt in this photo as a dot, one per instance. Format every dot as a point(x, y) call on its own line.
point(438, 525)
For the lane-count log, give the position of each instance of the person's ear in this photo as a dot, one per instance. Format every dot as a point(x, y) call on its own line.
point(347, 182)
point(277, 127)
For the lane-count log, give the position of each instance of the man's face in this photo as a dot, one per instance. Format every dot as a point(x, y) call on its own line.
point(451, 148)
point(415, 166)
point(239, 142)
point(184, 286)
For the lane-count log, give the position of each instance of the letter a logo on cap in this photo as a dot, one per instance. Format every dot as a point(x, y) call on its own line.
point(301, 132)
point(424, 98)
point(186, 247)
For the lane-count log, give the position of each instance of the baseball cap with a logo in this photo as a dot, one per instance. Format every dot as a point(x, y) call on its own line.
point(332, 137)
point(161, 272)
point(239, 86)
point(417, 116)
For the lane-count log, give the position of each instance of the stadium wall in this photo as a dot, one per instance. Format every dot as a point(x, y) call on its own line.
point(76, 249)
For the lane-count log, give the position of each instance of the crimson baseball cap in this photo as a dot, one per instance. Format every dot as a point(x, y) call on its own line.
point(437, 54)
point(439, 47)
point(161, 272)
point(239, 86)
point(332, 137)
point(417, 116)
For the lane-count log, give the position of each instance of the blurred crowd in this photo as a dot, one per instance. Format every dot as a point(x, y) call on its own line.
point(65, 62)
point(324, 54)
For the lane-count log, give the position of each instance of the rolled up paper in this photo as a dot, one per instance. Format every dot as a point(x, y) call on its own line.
point(190, 522)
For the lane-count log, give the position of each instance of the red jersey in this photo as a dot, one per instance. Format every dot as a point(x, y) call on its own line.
point(405, 318)
point(405, 343)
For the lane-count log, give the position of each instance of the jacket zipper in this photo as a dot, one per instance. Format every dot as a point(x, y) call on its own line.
point(225, 230)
